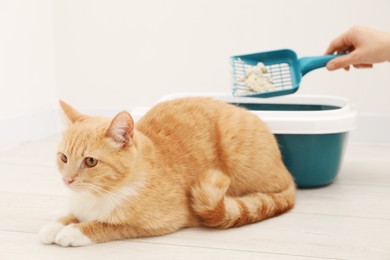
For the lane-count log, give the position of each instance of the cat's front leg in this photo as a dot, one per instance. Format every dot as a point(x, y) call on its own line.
point(72, 235)
point(86, 233)
point(91, 232)
point(48, 233)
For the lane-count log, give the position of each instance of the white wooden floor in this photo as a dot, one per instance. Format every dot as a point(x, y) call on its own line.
point(349, 219)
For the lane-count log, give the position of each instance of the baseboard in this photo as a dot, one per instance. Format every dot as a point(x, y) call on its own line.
point(33, 125)
point(42, 123)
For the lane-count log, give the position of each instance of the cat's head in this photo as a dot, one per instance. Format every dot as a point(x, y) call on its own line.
point(91, 155)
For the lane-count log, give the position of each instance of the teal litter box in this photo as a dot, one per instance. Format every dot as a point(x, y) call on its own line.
point(311, 131)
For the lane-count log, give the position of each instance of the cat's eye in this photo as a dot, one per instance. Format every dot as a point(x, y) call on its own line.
point(63, 158)
point(90, 162)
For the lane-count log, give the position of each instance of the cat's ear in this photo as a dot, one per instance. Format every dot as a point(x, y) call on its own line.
point(121, 129)
point(72, 114)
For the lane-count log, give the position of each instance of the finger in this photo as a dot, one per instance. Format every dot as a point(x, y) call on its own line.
point(344, 50)
point(347, 68)
point(340, 42)
point(341, 62)
point(363, 66)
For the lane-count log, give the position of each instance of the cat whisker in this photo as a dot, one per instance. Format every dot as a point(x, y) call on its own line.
point(101, 191)
point(114, 196)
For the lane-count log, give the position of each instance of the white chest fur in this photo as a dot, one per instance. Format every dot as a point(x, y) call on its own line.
point(86, 206)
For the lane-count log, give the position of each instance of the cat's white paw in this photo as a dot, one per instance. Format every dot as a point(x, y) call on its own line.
point(48, 233)
point(72, 236)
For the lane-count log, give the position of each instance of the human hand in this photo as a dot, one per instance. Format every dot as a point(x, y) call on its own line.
point(365, 47)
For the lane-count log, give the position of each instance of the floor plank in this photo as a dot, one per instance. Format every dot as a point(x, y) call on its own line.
point(24, 246)
point(341, 199)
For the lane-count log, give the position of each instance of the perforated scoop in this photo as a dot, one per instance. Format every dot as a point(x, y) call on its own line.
point(273, 73)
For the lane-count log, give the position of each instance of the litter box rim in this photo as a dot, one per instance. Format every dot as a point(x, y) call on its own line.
point(342, 118)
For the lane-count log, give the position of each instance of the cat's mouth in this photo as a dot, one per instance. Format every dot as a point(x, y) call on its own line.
point(74, 185)
point(81, 186)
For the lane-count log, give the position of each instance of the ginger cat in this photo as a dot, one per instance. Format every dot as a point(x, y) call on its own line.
point(187, 162)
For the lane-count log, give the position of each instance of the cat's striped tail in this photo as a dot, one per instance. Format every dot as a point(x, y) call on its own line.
point(215, 209)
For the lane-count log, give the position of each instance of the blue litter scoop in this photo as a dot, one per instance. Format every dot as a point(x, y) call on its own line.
point(273, 73)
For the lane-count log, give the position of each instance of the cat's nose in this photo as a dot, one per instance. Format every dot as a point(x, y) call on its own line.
point(68, 181)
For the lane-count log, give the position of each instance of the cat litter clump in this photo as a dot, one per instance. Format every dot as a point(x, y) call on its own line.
point(257, 79)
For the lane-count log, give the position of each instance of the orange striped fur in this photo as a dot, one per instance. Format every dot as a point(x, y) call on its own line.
point(187, 162)
point(216, 208)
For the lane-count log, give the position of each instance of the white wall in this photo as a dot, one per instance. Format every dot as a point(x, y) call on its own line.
point(27, 71)
point(121, 54)
point(27, 74)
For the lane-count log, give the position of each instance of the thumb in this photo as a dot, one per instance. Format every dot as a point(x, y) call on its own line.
point(341, 62)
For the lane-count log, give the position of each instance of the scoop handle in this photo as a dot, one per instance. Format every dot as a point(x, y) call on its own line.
point(308, 64)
